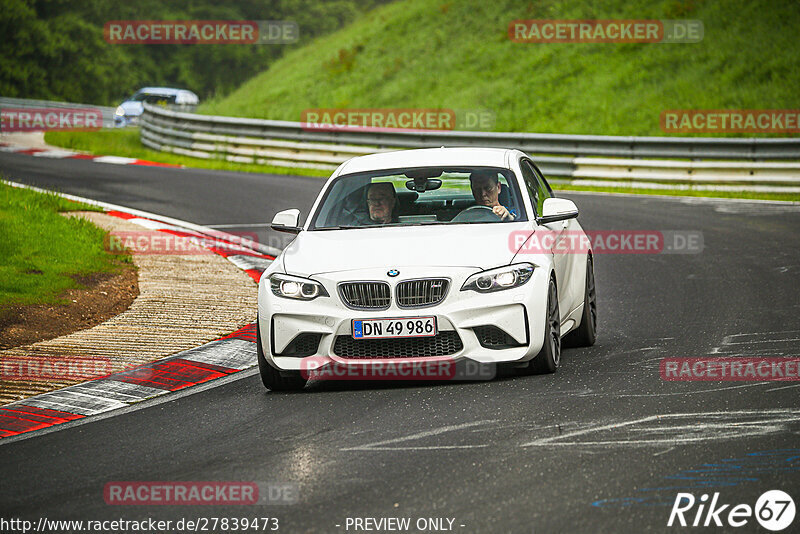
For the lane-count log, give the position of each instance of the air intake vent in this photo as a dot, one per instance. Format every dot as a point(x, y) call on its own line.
point(365, 295)
point(303, 345)
point(491, 337)
point(423, 292)
point(444, 343)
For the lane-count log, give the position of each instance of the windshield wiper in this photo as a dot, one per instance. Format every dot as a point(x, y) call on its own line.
point(344, 227)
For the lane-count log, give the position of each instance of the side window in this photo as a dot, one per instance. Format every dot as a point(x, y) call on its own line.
point(531, 184)
point(544, 189)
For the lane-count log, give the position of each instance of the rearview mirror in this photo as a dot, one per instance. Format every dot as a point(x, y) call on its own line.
point(423, 184)
point(286, 221)
point(557, 209)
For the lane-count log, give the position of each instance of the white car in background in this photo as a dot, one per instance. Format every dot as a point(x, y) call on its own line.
point(128, 112)
point(443, 277)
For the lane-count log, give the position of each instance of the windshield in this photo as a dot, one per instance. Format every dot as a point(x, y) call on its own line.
point(152, 98)
point(420, 196)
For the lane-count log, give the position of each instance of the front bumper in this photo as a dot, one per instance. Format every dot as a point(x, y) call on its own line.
point(287, 324)
point(125, 120)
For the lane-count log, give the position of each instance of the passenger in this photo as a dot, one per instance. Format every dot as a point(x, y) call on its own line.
point(382, 203)
point(486, 191)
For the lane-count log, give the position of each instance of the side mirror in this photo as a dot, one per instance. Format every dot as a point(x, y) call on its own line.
point(557, 209)
point(286, 221)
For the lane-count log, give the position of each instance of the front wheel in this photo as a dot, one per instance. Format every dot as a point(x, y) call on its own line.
point(273, 379)
point(550, 356)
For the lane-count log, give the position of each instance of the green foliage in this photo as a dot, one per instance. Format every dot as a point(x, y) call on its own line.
point(457, 55)
point(41, 249)
point(55, 49)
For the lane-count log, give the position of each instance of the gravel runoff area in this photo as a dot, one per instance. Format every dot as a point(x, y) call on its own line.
point(184, 301)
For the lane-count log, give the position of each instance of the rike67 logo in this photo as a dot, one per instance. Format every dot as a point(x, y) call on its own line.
point(774, 510)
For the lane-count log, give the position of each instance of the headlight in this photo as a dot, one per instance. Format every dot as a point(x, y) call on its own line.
point(119, 112)
point(499, 279)
point(294, 287)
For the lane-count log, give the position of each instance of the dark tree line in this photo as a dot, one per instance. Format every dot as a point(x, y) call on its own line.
point(55, 49)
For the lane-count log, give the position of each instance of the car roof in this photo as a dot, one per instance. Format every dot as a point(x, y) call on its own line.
point(429, 157)
point(163, 90)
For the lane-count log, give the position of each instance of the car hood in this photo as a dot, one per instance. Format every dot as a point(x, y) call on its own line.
point(481, 246)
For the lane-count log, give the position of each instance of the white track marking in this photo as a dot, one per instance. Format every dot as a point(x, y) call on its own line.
point(114, 389)
point(758, 344)
point(72, 401)
point(704, 426)
point(230, 353)
point(755, 342)
point(117, 160)
point(784, 387)
point(161, 399)
point(722, 388)
point(246, 262)
point(788, 332)
point(152, 225)
point(664, 452)
point(54, 154)
point(378, 445)
point(664, 430)
point(544, 441)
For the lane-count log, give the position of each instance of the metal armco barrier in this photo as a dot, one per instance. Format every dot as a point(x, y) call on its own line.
point(573, 157)
point(25, 103)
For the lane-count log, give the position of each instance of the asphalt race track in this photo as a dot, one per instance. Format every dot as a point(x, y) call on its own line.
point(603, 445)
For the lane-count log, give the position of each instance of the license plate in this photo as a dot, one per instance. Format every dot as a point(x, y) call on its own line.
point(394, 328)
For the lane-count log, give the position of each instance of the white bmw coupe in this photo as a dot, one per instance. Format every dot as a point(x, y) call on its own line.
point(447, 253)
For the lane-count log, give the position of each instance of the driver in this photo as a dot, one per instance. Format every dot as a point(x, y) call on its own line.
point(381, 201)
point(486, 190)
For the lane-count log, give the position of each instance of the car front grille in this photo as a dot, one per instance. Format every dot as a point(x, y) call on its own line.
point(491, 337)
point(444, 343)
point(365, 295)
point(423, 292)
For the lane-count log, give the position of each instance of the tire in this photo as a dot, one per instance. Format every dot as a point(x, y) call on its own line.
point(586, 333)
point(549, 357)
point(273, 379)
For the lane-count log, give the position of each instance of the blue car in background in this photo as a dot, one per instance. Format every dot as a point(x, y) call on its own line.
point(128, 112)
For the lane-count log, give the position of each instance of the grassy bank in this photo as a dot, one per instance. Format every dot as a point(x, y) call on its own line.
point(457, 55)
point(42, 250)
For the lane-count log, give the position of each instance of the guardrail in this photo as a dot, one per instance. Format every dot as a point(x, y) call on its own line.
point(26, 103)
point(572, 157)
